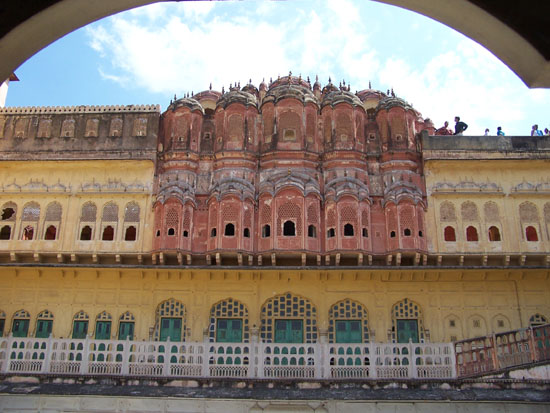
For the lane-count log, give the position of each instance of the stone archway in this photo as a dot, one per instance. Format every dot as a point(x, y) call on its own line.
point(27, 27)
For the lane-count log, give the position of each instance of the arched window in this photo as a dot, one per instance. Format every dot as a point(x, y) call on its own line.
point(20, 325)
point(312, 231)
point(407, 232)
point(494, 234)
point(537, 320)
point(126, 326)
point(86, 233)
point(229, 230)
point(44, 324)
point(392, 234)
point(171, 231)
point(471, 234)
point(531, 233)
point(108, 233)
point(8, 212)
point(246, 233)
point(170, 321)
point(331, 233)
point(365, 233)
point(185, 233)
point(289, 229)
point(51, 233)
point(5, 232)
point(348, 230)
point(229, 322)
point(213, 232)
point(266, 231)
point(80, 325)
point(28, 233)
point(131, 233)
point(449, 234)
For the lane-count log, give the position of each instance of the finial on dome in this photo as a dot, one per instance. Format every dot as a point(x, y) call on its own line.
point(300, 77)
point(344, 82)
point(250, 81)
point(308, 80)
point(329, 80)
point(392, 92)
point(289, 74)
point(175, 98)
point(210, 86)
point(370, 86)
point(223, 90)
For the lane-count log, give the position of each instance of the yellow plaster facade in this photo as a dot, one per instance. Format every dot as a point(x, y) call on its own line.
point(453, 304)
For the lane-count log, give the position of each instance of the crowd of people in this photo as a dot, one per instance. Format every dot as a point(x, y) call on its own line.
point(461, 126)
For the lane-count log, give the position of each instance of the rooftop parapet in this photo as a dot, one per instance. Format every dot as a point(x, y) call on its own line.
point(42, 110)
point(480, 147)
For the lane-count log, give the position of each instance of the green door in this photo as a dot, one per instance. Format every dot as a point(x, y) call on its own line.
point(126, 330)
point(229, 330)
point(170, 327)
point(43, 328)
point(407, 329)
point(102, 330)
point(348, 331)
point(20, 328)
point(289, 331)
point(80, 329)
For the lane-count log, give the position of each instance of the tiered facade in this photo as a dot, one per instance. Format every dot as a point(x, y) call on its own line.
point(290, 214)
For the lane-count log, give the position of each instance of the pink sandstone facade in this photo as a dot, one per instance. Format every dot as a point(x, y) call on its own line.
point(290, 171)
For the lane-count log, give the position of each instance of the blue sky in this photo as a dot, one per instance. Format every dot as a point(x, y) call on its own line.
point(147, 55)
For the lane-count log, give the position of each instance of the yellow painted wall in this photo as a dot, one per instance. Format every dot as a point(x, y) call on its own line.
point(100, 181)
point(511, 296)
point(518, 181)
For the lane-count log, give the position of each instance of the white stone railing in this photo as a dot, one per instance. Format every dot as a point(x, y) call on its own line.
point(154, 359)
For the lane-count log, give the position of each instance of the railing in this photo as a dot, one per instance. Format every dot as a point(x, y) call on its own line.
point(502, 350)
point(226, 360)
point(318, 361)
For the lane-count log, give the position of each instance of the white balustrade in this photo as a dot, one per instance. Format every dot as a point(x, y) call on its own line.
point(226, 360)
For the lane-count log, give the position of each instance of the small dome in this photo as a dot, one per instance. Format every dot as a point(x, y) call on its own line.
point(371, 94)
point(189, 102)
point(391, 101)
point(237, 96)
point(250, 88)
point(208, 95)
point(289, 87)
point(340, 96)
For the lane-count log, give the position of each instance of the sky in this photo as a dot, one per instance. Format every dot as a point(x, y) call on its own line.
point(148, 55)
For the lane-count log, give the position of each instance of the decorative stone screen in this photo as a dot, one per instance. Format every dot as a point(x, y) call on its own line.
point(288, 306)
point(170, 308)
point(31, 212)
point(447, 212)
point(110, 212)
point(53, 211)
point(229, 308)
point(131, 212)
point(88, 213)
point(347, 310)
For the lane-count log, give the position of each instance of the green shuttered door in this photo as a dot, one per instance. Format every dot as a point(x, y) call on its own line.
point(170, 327)
point(289, 331)
point(229, 330)
point(407, 329)
point(348, 331)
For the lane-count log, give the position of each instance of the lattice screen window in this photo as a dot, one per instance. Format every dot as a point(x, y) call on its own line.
point(53, 211)
point(289, 211)
point(31, 212)
point(407, 310)
point(406, 220)
point(229, 308)
point(170, 308)
point(22, 315)
point(88, 213)
point(131, 212)
point(45, 315)
point(81, 316)
point(447, 212)
point(347, 310)
point(348, 214)
point(186, 222)
point(469, 211)
point(537, 320)
point(21, 128)
point(288, 306)
point(266, 214)
point(365, 218)
point(490, 210)
point(104, 316)
point(331, 218)
point(127, 316)
point(248, 218)
point(528, 212)
point(312, 215)
point(172, 220)
point(392, 222)
point(110, 212)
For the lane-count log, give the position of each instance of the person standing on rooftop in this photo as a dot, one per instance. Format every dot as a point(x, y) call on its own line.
point(535, 131)
point(460, 126)
point(500, 132)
